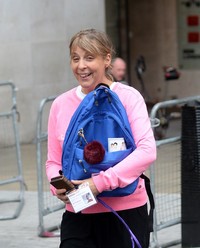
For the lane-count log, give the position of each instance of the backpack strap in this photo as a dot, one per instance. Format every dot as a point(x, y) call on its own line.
point(151, 200)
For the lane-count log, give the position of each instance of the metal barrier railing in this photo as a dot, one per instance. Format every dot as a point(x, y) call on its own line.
point(48, 205)
point(11, 178)
point(165, 175)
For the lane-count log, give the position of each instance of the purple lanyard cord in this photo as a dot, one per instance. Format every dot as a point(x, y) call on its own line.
point(133, 238)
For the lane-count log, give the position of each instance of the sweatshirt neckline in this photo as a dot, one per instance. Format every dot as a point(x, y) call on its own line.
point(81, 95)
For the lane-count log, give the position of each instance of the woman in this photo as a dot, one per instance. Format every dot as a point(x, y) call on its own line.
point(95, 227)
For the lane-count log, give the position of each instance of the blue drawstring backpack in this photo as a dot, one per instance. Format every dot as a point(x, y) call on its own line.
point(99, 117)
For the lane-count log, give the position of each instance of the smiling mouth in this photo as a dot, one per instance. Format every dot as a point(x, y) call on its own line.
point(85, 76)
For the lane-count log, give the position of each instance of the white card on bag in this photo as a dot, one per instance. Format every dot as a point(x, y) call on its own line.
point(116, 144)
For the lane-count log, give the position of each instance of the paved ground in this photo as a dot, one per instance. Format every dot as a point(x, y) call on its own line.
point(22, 232)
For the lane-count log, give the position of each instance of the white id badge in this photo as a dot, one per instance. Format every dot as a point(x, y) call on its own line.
point(81, 198)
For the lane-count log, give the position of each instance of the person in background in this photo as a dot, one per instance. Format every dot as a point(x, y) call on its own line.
point(97, 227)
point(118, 70)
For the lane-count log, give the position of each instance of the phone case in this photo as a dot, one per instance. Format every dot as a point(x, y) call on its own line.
point(61, 182)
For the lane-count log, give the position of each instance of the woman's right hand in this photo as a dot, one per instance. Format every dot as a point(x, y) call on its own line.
point(61, 195)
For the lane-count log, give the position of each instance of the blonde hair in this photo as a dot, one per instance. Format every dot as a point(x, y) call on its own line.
point(94, 42)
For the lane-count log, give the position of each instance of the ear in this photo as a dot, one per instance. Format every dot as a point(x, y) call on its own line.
point(108, 60)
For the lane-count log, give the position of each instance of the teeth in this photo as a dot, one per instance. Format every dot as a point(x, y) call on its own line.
point(84, 75)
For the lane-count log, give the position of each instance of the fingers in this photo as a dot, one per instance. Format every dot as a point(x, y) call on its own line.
point(78, 182)
point(91, 185)
point(61, 194)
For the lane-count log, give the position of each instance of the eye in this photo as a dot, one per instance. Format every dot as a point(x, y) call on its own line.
point(75, 59)
point(89, 58)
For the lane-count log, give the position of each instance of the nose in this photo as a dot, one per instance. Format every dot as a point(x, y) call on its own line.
point(82, 64)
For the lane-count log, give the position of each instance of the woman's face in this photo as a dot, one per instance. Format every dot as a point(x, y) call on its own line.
point(89, 69)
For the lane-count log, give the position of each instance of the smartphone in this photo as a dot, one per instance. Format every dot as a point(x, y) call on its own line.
point(61, 182)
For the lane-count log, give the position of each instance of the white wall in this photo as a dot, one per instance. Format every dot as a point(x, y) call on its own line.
point(34, 54)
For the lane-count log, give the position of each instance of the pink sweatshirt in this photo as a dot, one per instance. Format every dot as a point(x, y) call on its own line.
point(124, 172)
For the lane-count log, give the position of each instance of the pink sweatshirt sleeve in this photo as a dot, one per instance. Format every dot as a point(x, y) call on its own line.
point(60, 114)
point(129, 169)
point(53, 163)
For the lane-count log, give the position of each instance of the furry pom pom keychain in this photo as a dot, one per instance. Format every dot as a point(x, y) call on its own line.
point(93, 151)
